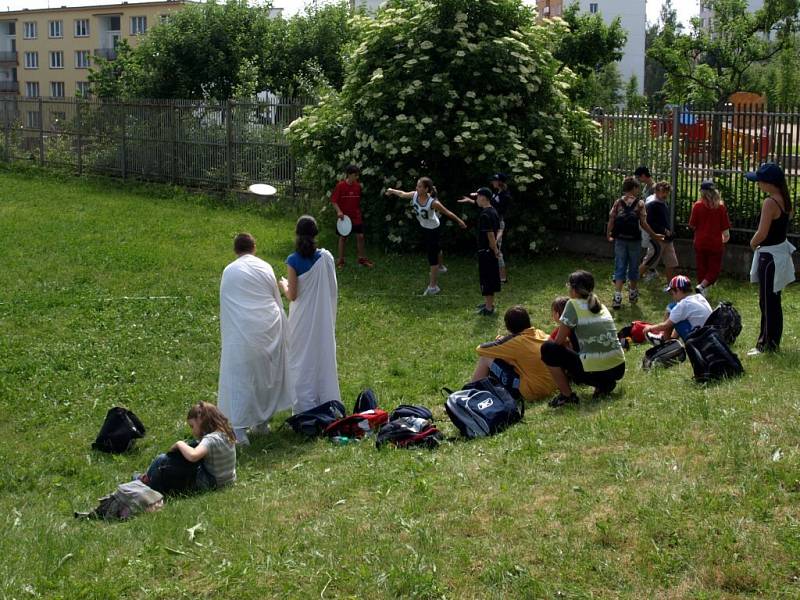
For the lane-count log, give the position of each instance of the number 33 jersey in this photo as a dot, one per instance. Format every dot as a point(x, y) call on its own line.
point(426, 215)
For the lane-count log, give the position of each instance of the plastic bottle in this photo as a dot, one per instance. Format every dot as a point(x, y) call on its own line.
point(341, 440)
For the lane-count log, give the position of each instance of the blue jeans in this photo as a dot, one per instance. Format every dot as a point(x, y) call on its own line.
point(626, 259)
point(204, 481)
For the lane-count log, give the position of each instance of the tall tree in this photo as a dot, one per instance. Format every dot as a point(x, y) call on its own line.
point(654, 74)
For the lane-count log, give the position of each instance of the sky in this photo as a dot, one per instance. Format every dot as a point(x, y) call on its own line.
point(686, 8)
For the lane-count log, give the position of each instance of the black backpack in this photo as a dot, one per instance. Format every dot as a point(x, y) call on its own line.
point(119, 432)
point(366, 400)
point(314, 421)
point(626, 223)
point(727, 320)
point(483, 408)
point(409, 432)
point(176, 475)
point(667, 354)
point(710, 356)
point(411, 410)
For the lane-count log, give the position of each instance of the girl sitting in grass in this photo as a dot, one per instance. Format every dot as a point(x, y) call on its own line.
point(215, 453)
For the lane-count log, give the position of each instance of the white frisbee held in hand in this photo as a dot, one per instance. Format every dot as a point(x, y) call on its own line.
point(262, 189)
point(344, 225)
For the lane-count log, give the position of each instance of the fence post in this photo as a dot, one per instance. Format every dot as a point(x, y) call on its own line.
point(673, 174)
point(7, 132)
point(41, 132)
point(80, 135)
point(229, 144)
point(124, 143)
point(174, 139)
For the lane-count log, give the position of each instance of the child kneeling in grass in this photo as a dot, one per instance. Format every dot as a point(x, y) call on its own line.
point(215, 452)
point(520, 350)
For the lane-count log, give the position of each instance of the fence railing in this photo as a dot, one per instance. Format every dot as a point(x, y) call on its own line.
point(685, 147)
point(225, 145)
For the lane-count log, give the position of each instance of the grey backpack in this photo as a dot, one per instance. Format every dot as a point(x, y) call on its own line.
point(128, 500)
point(666, 354)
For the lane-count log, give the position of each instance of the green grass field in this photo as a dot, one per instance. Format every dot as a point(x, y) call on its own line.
point(108, 296)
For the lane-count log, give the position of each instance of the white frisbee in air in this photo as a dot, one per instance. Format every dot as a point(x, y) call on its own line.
point(262, 189)
point(344, 225)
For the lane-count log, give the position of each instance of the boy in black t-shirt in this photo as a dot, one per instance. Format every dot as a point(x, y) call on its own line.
point(488, 252)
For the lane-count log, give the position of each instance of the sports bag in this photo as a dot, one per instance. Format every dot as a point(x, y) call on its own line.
point(128, 500)
point(482, 408)
point(314, 421)
point(710, 356)
point(411, 410)
point(119, 431)
point(727, 320)
point(366, 400)
point(626, 221)
point(670, 353)
point(409, 432)
point(359, 424)
point(176, 475)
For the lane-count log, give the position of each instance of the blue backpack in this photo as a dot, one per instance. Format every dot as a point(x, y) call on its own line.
point(314, 421)
point(483, 408)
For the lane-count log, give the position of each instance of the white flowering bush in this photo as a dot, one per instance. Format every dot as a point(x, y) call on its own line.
point(454, 90)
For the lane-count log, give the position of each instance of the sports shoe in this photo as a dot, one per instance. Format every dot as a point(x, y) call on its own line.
point(561, 400)
point(654, 338)
point(340, 264)
point(754, 352)
point(699, 289)
point(633, 296)
point(262, 429)
point(617, 301)
point(480, 306)
point(650, 275)
point(365, 262)
point(442, 269)
point(485, 312)
point(431, 291)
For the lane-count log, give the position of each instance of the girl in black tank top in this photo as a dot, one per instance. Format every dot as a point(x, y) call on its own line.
point(777, 228)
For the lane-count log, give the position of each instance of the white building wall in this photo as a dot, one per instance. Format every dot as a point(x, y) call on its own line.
point(633, 16)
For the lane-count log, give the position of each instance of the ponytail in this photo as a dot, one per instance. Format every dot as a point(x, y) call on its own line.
point(428, 183)
point(594, 303)
point(306, 231)
point(787, 199)
point(583, 284)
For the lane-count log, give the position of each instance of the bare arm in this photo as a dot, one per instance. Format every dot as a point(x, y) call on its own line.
point(289, 286)
point(399, 193)
point(191, 454)
point(768, 213)
point(610, 224)
point(563, 334)
point(466, 200)
point(450, 215)
point(664, 327)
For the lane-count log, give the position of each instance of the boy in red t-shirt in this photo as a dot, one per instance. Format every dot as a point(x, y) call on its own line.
point(346, 200)
point(711, 226)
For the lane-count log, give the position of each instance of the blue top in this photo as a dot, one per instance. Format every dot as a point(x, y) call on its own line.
point(302, 265)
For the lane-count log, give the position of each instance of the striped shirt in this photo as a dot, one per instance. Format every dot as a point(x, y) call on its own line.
point(220, 461)
point(600, 349)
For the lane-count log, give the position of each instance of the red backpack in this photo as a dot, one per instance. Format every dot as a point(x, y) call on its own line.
point(358, 424)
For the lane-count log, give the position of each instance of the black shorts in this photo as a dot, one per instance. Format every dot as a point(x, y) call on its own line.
point(488, 272)
point(555, 355)
point(431, 237)
point(356, 229)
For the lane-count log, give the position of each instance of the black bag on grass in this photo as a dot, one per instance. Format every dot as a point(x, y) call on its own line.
point(176, 475)
point(409, 432)
point(727, 320)
point(119, 432)
point(667, 354)
point(366, 400)
point(710, 356)
point(483, 408)
point(313, 422)
point(411, 410)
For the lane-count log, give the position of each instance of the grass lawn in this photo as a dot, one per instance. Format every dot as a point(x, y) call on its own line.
point(108, 295)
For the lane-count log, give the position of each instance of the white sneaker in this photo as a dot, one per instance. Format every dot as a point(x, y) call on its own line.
point(241, 437)
point(442, 269)
point(431, 291)
point(262, 429)
point(754, 352)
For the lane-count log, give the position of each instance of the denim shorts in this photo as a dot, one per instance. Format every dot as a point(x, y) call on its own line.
point(626, 259)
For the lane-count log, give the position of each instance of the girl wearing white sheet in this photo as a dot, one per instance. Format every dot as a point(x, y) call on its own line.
point(312, 290)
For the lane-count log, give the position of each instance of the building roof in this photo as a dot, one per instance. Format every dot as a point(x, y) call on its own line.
point(94, 7)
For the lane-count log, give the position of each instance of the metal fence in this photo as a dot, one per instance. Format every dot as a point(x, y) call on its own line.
point(224, 145)
point(684, 147)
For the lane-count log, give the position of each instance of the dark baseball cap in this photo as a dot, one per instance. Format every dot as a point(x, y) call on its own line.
point(642, 171)
point(708, 185)
point(767, 173)
point(485, 192)
point(499, 177)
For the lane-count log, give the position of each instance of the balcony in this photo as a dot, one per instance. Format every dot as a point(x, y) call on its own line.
point(9, 87)
point(8, 56)
point(106, 53)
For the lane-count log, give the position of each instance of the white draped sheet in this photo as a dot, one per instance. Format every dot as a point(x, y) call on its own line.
point(254, 378)
point(312, 336)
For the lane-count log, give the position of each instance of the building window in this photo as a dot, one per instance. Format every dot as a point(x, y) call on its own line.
point(30, 31)
point(56, 29)
point(138, 25)
point(57, 60)
point(82, 59)
point(34, 122)
point(164, 18)
point(83, 89)
point(32, 89)
point(31, 60)
point(593, 7)
point(81, 27)
point(114, 23)
point(56, 89)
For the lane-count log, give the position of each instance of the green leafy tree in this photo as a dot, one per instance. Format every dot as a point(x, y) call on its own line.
point(779, 79)
point(654, 74)
point(601, 88)
point(455, 90)
point(634, 101)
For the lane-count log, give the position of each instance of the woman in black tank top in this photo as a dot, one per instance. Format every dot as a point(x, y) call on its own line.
point(768, 241)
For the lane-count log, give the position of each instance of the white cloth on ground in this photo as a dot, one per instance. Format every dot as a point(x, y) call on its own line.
point(312, 336)
point(784, 266)
point(254, 379)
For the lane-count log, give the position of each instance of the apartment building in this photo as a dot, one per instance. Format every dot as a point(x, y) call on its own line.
point(48, 52)
point(707, 14)
point(633, 16)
